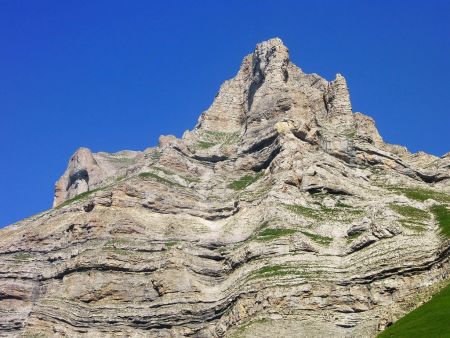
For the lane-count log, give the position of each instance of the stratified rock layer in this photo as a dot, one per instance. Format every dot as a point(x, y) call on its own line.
point(283, 213)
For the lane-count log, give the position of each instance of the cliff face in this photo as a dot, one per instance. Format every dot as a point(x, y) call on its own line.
point(282, 213)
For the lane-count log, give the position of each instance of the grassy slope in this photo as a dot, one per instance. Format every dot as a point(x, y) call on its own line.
point(431, 320)
point(245, 181)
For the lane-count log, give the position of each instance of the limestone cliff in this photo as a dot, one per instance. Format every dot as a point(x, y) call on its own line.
point(282, 213)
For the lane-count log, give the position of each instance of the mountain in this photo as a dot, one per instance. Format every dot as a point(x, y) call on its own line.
point(283, 213)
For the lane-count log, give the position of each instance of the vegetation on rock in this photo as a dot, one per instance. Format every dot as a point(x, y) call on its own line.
point(422, 194)
point(153, 176)
point(245, 181)
point(431, 320)
point(442, 215)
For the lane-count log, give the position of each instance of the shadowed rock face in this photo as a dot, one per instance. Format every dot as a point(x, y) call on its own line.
point(282, 213)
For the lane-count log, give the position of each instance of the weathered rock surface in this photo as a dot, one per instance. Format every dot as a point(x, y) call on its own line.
point(282, 213)
point(87, 171)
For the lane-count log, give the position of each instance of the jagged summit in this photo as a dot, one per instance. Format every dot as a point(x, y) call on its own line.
point(267, 89)
point(268, 75)
point(267, 93)
point(282, 213)
point(266, 66)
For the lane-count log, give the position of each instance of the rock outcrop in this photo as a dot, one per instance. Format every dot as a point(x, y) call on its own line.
point(86, 171)
point(282, 213)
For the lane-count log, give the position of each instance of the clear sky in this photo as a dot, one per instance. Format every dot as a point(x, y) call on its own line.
point(113, 75)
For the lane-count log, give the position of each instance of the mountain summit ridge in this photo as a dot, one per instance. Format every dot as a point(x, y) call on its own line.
point(267, 89)
point(281, 213)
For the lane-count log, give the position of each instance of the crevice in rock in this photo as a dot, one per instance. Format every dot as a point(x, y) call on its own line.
point(431, 178)
point(70, 271)
point(264, 143)
point(265, 164)
point(211, 158)
point(80, 175)
point(257, 82)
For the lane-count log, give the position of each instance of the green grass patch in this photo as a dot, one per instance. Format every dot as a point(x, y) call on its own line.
point(120, 178)
point(410, 212)
point(205, 145)
point(304, 211)
point(116, 250)
point(212, 138)
point(421, 194)
point(170, 244)
point(114, 244)
point(413, 218)
point(164, 170)
point(78, 197)
point(171, 173)
point(154, 177)
point(245, 181)
point(221, 137)
point(274, 270)
point(431, 320)
point(271, 234)
point(338, 210)
point(442, 215)
point(412, 225)
point(34, 335)
point(191, 179)
point(117, 241)
point(323, 213)
point(282, 270)
point(350, 133)
point(318, 238)
point(22, 256)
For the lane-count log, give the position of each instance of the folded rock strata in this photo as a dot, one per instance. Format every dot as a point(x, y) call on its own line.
point(282, 213)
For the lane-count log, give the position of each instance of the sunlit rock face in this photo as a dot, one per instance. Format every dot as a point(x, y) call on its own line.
point(281, 214)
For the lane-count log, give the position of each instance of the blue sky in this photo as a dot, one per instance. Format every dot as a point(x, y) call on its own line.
point(113, 75)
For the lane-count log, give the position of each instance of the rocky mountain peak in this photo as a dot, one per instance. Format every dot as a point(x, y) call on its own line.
point(337, 97)
point(282, 213)
point(267, 86)
point(269, 61)
point(265, 67)
point(268, 102)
